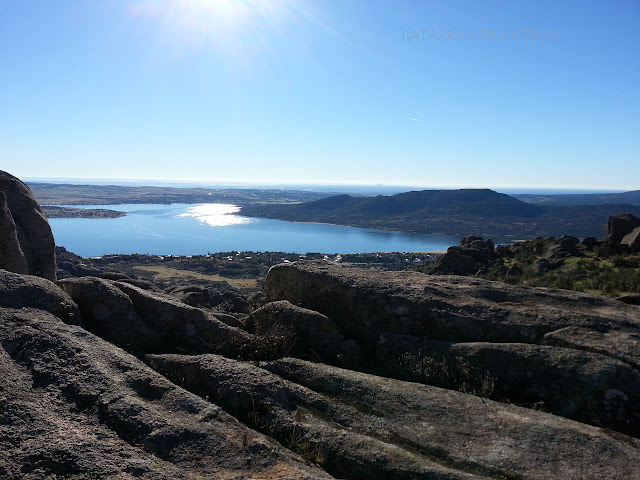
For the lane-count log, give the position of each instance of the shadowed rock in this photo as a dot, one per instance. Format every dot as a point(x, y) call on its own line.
point(184, 328)
point(11, 255)
point(473, 254)
point(633, 299)
point(315, 335)
point(191, 295)
point(584, 386)
point(359, 426)
point(621, 225)
point(632, 240)
point(109, 313)
point(75, 406)
point(28, 291)
point(31, 227)
point(621, 343)
point(141, 321)
point(594, 377)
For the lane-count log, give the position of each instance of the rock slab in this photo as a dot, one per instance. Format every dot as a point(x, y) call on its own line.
point(141, 321)
point(74, 406)
point(365, 303)
point(359, 426)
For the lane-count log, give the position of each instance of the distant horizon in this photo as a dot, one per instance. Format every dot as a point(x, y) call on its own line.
point(318, 186)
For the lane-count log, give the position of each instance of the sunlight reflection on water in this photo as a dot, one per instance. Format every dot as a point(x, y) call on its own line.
point(216, 214)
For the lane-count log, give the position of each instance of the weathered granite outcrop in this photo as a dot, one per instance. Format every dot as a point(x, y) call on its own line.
point(529, 328)
point(74, 406)
point(473, 254)
point(21, 218)
point(557, 252)
point(584, 386)
point(621, 225)
point(193, 295)
point(138, 320)
point(360, 426)
point(365, 303)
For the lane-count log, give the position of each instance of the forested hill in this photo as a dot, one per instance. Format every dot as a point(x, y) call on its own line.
point(455, 212)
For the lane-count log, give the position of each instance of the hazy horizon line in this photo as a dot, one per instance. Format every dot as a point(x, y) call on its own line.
point(310, 184)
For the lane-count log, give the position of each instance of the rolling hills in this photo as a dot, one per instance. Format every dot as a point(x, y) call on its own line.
point(454, 212)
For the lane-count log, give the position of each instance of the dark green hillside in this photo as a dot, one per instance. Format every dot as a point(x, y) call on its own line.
point(477, 202)
point(456, 212)
point(483, 202)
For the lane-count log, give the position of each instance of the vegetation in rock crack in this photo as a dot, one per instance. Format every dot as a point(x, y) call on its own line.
point(448, 372)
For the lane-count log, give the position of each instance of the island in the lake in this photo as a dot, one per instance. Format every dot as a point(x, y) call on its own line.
point(54, 211)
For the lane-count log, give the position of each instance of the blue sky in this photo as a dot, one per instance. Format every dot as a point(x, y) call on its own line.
point(511, 93)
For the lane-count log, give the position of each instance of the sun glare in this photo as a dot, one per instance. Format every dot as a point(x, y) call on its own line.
point(229, 26)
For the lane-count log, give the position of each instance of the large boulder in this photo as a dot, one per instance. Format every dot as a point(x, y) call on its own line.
point(632, 240)
point(74, 406)
point(361, 426)
point(560, 250)
point(621, 225)
point(456, 262)
point(31, 229)
point(589, 242)
point(30, 292)
point(473, 254)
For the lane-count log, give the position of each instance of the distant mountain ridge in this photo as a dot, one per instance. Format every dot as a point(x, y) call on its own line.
point(455, 212)
point(631, 198)
point(477, 201)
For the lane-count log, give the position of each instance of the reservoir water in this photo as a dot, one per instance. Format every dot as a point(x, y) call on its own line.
point(181, 229)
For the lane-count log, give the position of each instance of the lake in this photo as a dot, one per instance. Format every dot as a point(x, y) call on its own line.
point(181, 229)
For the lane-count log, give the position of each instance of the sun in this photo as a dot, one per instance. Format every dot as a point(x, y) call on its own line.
point(216, 12)
point(216, 22)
